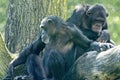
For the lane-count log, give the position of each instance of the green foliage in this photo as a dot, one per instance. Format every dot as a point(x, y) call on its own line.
point(3, 9)
point(113, 8)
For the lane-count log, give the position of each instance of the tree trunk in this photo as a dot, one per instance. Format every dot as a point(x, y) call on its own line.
point(96, 66)
point(24, 18)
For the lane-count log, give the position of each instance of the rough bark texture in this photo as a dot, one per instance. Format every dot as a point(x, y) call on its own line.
point(96, 66)
point(24, 18)
point(5, 58)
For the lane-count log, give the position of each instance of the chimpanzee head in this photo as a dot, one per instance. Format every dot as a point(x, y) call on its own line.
point(49, 26)
point(91, 17)
point(96, 16)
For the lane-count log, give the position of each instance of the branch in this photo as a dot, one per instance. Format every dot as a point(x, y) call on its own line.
point(96, 66)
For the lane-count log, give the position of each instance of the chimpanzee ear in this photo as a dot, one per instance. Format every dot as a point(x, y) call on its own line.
point(88, 13)
point(50, 22)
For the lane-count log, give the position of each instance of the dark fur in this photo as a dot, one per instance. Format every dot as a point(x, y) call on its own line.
point(60, 53)
point(85, 15)
point(29, 56)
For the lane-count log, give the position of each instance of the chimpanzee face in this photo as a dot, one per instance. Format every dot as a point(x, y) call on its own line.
point(48, 26)
point(48, 29)
point(97, 17)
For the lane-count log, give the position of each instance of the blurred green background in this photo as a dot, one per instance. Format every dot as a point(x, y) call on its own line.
point(3, 14)
point(112, 6)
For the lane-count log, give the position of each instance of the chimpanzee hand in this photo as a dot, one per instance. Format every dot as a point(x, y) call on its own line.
point(97, 46)
point(104, 36)
point(105, 46)
point(94, 46)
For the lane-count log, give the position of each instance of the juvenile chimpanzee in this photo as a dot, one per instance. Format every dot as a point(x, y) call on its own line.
point(60, 52)
point(91, 20)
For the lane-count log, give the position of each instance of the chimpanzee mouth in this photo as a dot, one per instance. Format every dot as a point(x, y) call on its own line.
point(44, 36)
point(97, 27)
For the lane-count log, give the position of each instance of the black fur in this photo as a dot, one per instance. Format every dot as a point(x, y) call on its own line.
point(85, 15)
point(61, 51)
point(30, 57)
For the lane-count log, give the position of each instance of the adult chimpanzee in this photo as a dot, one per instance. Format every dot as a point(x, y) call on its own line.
point(91, 20)
point(60, 52)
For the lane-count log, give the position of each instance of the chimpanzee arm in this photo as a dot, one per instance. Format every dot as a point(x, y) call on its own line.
point(37, 46)
point(79, 38)
point(21, 59)
point(34, 48)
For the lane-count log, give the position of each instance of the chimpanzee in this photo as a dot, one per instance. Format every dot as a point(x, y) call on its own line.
point(91, 20)
point(58, 43)
point(60, 52)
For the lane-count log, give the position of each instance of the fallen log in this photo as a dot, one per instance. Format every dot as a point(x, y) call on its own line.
point(96, 66)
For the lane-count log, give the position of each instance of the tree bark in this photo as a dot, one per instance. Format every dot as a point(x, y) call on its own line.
point(5, 58)
point(24, 18)
point(96, 66)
